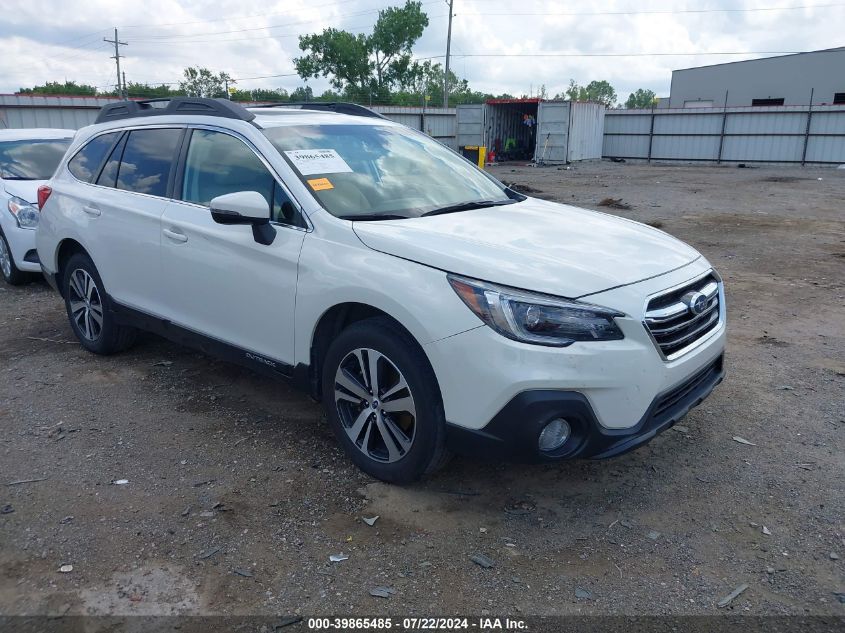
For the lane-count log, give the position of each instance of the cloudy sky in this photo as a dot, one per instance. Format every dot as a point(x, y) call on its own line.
point(498, 45)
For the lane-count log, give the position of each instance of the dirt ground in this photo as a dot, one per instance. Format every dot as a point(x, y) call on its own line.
point(237, 494)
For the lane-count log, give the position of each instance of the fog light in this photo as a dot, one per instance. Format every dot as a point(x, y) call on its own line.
point(554, 435)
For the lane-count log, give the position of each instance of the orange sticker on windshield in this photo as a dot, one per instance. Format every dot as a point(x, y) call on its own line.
point(319, 184)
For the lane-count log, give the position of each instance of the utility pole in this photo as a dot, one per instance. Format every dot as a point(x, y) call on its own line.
point(448, 53)
point(125, 92)
point(117, 44)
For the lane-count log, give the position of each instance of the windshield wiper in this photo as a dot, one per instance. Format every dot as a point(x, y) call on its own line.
point(468, 206)
point(368, 217)
point(19, 178)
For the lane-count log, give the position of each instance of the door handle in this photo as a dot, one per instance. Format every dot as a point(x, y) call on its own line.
point(92, 211)
point(176, 236)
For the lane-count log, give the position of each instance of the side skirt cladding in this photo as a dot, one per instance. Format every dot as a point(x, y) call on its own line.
point(298, 375)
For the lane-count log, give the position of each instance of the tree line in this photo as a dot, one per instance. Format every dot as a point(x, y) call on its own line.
point(374, 68)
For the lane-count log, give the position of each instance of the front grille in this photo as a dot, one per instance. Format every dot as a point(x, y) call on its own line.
point(680, 317)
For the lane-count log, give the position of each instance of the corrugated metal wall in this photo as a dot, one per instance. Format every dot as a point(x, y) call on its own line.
point(27, 111)
point(777, 134)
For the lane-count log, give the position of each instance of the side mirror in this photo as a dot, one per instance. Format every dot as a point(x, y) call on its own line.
point(245, 207)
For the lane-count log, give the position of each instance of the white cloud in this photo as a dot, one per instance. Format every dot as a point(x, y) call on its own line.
point(43, 40)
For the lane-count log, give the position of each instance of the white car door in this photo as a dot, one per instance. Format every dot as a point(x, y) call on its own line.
point(218, 280)
point(121, 210)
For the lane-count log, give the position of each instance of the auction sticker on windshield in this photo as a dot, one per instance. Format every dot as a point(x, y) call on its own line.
point(317, 161)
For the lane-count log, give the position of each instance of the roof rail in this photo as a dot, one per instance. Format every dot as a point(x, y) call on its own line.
point(173, 105)
point(340, 107)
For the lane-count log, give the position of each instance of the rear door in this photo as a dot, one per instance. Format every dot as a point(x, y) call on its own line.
point(219, 281)
point(552, 132)
point(122, 180)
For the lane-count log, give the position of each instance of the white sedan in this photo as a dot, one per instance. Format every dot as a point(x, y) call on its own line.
point(28, 159)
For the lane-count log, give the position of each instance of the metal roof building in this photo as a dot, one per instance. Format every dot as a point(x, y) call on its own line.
point(771, 81)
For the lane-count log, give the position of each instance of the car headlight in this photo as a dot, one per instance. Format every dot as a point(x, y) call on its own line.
point(536, 318)
point(26, 214)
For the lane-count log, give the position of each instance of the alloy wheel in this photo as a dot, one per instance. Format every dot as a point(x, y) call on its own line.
point(86, 304)
point(375, 405)
point(5, 259)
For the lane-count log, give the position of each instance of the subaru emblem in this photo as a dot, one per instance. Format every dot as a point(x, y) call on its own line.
point(696, 302)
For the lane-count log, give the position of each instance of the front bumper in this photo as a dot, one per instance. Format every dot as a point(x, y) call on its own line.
point(514, 432)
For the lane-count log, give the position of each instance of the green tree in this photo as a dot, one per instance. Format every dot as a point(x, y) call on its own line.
point(135, 89)
point(61, 88)
point(641, 98)
point(598, 91)
point(201, 82)
point(260, 94)
point(368, 64)
point(302, 94)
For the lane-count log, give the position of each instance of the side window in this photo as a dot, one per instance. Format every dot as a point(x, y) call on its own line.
point(148, 160)
point(217, 164)
point(85, 165)
point(108, 177)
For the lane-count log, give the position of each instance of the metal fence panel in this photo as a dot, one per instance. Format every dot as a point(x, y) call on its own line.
point(826, 149)
point(766, 123)
point(706, 123)
point(827, 122)
point(627, 122)
point(630, 146)
point(777, 134)
point(769, 149)
point(699, 147)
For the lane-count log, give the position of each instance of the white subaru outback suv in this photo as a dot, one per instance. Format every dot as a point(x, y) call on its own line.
point(431, 308)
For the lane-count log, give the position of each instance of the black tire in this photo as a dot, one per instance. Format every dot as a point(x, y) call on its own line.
point(105, 338)
point(12, 275)
point(401, 358)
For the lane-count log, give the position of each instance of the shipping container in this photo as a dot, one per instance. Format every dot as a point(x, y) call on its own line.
point(532, 130)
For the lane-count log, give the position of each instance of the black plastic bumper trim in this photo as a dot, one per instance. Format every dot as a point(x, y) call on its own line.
point(513, 433)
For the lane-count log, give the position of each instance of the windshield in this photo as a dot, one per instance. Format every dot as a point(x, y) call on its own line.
point(31, 159)
point(381, 172)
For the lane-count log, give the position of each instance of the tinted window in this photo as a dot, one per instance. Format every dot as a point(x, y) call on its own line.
point(147, 161)
point(86, 164)
point(108, 177)
point(218, 164)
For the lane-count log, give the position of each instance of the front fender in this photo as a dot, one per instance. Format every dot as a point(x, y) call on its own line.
point(335, 272)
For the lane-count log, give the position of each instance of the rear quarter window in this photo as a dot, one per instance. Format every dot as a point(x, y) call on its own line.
point(85, 165)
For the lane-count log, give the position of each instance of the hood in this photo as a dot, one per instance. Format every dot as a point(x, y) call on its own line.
point(25, 189)
point(533, 245)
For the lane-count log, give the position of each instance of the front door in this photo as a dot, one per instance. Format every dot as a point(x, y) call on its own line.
point(219, 281)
